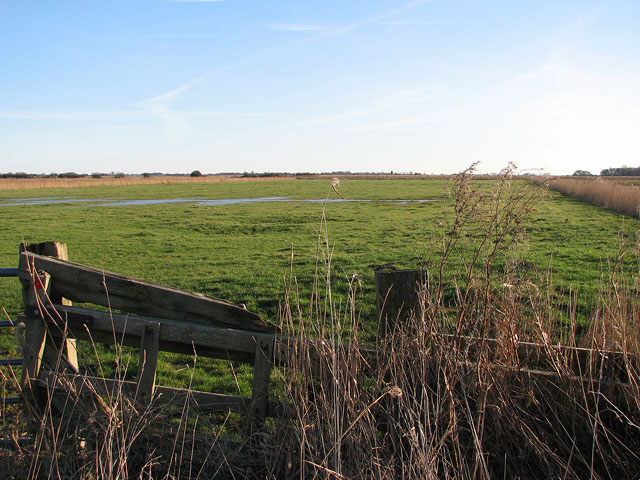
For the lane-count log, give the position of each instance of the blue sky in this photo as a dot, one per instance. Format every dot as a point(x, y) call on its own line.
point(363, 85)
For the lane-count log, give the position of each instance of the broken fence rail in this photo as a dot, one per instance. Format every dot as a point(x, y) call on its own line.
point(8, 272)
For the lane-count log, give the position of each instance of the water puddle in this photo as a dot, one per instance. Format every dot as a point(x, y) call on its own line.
point(12, 202)
point(121, 202)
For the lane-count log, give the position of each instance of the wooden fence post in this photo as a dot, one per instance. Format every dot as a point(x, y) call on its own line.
point(67, 346)
point(35, 338)
point(398, 297)
point(40, 347)
point(149, 346)
point(260, 385)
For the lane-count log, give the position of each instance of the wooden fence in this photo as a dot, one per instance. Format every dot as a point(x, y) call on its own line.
point(157, 318)
point(153, 317)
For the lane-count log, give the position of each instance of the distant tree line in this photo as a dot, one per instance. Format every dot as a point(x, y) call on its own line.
point(48, 175)
point(621, 172)
point(611, 172)
point(17, 175)
point(84, 175)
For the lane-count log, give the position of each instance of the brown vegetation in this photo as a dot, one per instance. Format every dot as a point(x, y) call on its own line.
point(451, 397)
point(624, 198)
point(41, 182)
point(12, 183)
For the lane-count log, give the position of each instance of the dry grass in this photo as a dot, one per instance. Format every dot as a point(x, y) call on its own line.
point(436, 403)
point(41, 182)
point(609, 194)
point(35, 183)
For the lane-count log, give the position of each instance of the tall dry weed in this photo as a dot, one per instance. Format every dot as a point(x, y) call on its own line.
point(458, 391)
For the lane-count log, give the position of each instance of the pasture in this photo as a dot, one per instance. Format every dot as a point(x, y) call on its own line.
point(288, 248)
point(241, 251)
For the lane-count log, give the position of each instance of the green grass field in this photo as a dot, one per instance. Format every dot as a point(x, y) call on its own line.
point(242, 252)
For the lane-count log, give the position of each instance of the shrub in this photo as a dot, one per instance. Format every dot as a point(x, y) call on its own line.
point(196, 173)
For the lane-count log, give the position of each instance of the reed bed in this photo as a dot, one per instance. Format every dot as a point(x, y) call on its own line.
point(614, 195)
point(110, 180)
point(441, 395)
point(84, 182)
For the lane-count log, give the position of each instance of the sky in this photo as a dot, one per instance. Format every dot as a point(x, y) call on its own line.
point(316, 86)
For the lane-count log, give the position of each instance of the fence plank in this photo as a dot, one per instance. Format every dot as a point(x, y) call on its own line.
point(111, 388)
point(173, 336)
point(10, 361)
point(86, 284)
point(535, 356)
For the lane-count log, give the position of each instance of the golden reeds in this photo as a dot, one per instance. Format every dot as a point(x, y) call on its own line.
point(41, 182)
point(616, 196)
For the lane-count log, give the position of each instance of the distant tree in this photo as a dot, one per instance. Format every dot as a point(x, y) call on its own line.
point(119, 175)
point(69, 175)
point(96, 175)
point(196, 173)
point(146, 175)
point(582, 173)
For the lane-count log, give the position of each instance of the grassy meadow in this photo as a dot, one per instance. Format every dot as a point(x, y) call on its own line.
point(242, 252)
point(517, 239)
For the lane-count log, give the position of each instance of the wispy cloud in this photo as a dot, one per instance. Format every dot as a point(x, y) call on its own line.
point(175, 120)
point(416, 121)
point(376, 18)
point(160, 103)
point(63, 115)
point(426, 22)
point(385, 103)
point(298, 28)
point(117, 115)
point(324, 31)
